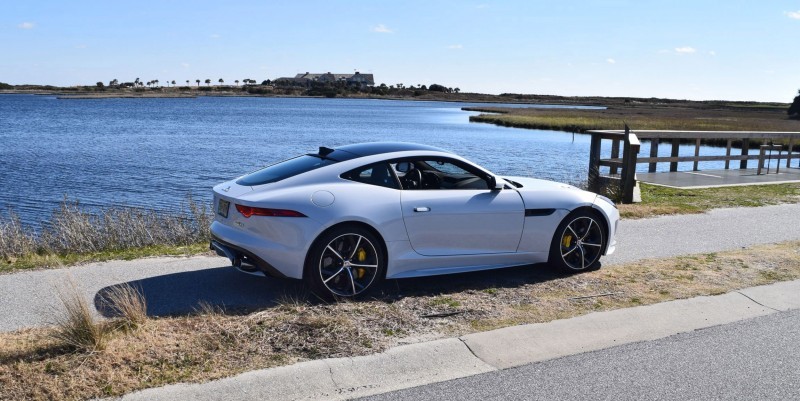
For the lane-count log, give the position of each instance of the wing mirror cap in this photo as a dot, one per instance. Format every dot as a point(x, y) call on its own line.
point(495, 184)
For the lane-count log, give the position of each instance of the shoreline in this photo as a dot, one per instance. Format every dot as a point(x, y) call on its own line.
point(428, 96)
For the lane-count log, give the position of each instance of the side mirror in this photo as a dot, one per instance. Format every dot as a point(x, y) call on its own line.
point(495, 185)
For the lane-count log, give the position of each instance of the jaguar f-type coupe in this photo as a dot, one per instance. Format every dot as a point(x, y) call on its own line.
point(343, 219)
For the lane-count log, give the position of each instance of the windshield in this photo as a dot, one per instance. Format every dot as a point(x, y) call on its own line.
point(284, 169)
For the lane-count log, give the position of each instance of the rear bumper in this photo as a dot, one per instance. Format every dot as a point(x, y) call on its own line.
point(243, 259)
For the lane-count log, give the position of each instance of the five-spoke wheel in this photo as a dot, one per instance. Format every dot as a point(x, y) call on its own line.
point(344, 262)
point(578, 242)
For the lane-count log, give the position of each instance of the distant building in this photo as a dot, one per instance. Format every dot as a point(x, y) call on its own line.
point(351, 79)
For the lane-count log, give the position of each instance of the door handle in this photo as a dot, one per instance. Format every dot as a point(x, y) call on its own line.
point(422, 209)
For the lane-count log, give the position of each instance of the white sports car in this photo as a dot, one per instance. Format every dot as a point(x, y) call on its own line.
point(342, 219)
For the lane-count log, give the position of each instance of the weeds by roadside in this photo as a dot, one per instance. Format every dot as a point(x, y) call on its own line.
point(128, 303)
point(214, 343)
point(77, 328)
point(658, 200)
point(73, 231)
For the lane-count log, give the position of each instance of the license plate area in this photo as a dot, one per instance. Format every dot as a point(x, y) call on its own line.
point(222, 208)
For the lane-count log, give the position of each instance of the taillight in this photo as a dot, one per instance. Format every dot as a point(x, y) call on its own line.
point(248, 211)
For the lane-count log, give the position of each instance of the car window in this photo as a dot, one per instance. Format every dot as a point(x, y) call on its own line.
point(438, 174)
point(375, 174)
point(284, 169)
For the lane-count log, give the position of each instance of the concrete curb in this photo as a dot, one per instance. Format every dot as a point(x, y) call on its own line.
point(425, 363)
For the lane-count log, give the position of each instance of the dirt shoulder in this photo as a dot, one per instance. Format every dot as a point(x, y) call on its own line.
point(214, 343)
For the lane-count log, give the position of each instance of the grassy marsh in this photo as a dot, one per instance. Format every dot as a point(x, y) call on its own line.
point(691, 117)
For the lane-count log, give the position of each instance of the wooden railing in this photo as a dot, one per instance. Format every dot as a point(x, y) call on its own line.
point(626, 163)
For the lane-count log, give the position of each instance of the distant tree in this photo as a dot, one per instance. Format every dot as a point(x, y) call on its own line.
point(457, 90)
point(794, 109)
point(208, 82)
point(187, 82)
point(221, 81)
point(137, 82)
point(423, 87)
point(237, 82)
point(99, 84)
point(113, 82)
point(155, 82)
point(437, 88)
point(173, 82)
point(198, 82)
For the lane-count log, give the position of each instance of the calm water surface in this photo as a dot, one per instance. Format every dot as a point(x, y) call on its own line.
point(153, 152)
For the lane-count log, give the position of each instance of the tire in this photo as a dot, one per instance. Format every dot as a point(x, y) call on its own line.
point(346, 262)
point(578, 242)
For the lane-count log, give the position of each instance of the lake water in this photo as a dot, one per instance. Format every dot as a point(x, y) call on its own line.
point(153, 152)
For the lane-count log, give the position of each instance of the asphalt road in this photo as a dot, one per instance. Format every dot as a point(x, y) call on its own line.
point(178, 285)
point(755, 359)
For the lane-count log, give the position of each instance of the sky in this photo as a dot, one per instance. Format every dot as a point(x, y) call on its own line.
point(699, 50)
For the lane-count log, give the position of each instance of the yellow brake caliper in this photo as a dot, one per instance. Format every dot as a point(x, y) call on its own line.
point(361, 256)
point(566, 241)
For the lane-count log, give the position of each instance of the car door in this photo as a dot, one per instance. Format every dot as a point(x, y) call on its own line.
point(462, 221)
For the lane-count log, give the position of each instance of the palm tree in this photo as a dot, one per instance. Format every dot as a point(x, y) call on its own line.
point(198, 82)
point(208, 82)
point(237, 82)
point(173, 82)
point(187, 82)
point(457, 90)
point(155, 82)
point(221, 81)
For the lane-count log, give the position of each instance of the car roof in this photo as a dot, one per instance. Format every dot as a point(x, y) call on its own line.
point(357, 150)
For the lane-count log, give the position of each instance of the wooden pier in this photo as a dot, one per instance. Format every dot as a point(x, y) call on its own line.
point(625, 145)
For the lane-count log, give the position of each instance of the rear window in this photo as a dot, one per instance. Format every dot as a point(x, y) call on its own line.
point(284, 169)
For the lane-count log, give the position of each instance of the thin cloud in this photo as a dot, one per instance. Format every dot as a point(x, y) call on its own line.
point(380, 28)
point(685, 50)
point(611, 61)
point(26, 25)
point(185, 65)
point(456, 47)
point(214, 36)
point(793, 14)
point(712, 53)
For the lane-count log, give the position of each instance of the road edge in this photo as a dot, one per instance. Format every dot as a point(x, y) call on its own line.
point(419, 364)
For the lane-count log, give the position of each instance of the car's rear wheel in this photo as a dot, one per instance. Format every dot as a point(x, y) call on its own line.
point(345, 262)
point(578, 242)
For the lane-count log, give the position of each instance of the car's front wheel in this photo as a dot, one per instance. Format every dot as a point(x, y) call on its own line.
point(578, 242)
point(344, 262)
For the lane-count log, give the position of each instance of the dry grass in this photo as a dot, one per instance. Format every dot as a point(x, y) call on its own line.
point(213, 344)
point(128, 303)
point(658, 200)
point(76, 327)
point(73, 231)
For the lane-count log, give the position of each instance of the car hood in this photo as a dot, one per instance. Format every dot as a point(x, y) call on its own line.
point(538, 193)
